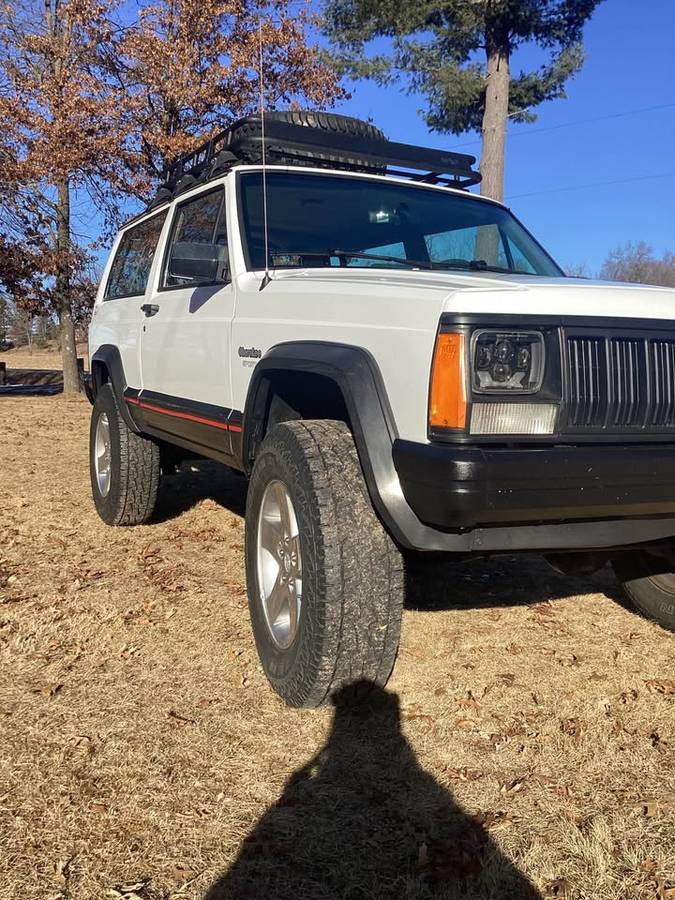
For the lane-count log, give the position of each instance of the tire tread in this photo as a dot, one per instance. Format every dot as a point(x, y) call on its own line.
point(635, 571)
point(136, 464)
point(332, 122)
point(359, 582)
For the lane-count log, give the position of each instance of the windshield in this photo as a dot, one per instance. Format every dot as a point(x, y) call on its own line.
point(332, 220)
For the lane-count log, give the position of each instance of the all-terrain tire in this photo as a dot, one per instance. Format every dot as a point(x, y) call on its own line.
point(649, 583)
point(331, 122)
point(134, 466)
point(352, 572)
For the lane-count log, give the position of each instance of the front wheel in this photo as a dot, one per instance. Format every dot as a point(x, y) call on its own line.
point(649, 582)
point(325, 580)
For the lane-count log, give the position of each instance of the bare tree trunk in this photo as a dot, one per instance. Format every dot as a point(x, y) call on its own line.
point(494, 121)
point(71, 379)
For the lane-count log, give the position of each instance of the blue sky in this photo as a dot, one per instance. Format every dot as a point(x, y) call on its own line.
point(616, 125)
point(630, 66)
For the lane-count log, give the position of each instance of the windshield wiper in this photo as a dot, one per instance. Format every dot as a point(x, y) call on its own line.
point(471, 265)
point(352, 254)
point(475, 265)
point(356, 254)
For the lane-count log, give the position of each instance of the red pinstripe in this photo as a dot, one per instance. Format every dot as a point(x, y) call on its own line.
point(182, 415)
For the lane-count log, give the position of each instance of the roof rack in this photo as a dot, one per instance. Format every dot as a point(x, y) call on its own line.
point(290, 143)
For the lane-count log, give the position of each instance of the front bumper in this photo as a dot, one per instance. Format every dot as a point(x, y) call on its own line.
point(460, 488)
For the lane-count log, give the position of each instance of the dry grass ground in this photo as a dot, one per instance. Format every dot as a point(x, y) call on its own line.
point(39, 358)
point(142, 754)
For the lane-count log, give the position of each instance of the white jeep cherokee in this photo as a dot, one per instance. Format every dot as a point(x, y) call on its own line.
point(399, 368)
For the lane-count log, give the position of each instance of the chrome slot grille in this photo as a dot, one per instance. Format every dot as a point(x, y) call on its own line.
point(662, 413)
point(587, 380)
point(611, 386)
point(627, 406)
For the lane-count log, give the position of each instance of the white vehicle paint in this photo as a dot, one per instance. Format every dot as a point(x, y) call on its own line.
point(190, 348)
point(395, 366)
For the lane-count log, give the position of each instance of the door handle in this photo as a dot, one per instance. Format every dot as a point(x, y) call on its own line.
point(150, 309)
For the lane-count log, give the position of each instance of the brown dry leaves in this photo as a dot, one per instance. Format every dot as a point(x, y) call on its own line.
point(188, 69)
point(138, 728)
point(167, 576)
point(665, 686)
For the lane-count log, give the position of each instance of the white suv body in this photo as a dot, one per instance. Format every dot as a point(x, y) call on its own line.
point(564, 439)
point(193, 352)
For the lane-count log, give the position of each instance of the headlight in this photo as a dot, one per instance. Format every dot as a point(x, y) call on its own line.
point(508, 361)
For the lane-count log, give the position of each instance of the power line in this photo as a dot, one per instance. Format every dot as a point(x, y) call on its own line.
point(620, 115)
point(581, 187)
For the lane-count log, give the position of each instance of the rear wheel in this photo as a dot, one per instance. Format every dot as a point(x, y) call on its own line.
point(124, 466)
point(325, 580)
point(649, 582)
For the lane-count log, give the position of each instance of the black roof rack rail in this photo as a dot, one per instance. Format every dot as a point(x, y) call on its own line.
point(289, 143)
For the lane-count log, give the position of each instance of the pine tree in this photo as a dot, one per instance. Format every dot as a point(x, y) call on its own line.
point(457, 55)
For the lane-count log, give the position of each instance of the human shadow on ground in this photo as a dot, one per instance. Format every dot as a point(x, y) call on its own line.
point(362, 819)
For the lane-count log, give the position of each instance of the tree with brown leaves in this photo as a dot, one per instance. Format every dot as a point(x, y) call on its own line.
point(190, 67)
point(17, 270)
point(93, 106)
point(60, 119)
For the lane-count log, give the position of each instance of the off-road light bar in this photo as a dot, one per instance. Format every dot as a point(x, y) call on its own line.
point(513, 418)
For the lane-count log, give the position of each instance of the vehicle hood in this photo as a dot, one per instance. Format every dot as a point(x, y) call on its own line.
point(564, 297)
point(485, 292)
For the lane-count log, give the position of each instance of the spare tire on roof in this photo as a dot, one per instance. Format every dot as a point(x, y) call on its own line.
point(245, 138)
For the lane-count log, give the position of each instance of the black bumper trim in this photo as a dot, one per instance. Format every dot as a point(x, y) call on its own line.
point(454, 488)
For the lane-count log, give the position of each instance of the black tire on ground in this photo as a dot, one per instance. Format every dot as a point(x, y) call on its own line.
point(134, 467)
point(649, 582)
point(352, 572)
point(331, 122)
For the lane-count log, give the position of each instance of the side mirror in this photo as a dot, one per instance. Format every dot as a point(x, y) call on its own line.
point(193, 264)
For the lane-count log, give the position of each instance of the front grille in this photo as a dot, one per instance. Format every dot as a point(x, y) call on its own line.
point(587, 373)
point(663, 384)
point(626, 370)
point(620, 384)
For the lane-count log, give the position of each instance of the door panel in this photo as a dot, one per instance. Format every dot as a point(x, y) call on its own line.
point(116, 318)
point(185, 343)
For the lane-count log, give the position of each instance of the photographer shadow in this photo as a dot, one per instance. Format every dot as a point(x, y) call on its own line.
point(362, 819)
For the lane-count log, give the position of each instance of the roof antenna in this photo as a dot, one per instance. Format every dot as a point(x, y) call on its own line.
point(266, 278)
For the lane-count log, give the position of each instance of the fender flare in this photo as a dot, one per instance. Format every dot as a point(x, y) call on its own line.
point(357, 375)
point(109, 356)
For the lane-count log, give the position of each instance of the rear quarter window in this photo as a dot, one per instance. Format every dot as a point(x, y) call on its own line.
point(133, 260)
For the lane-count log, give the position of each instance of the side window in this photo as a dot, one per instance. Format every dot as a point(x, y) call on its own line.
point(130, 270)
point(198, 247)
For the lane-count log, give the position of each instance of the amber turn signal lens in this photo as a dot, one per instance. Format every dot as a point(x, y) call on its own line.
point(447, 402)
